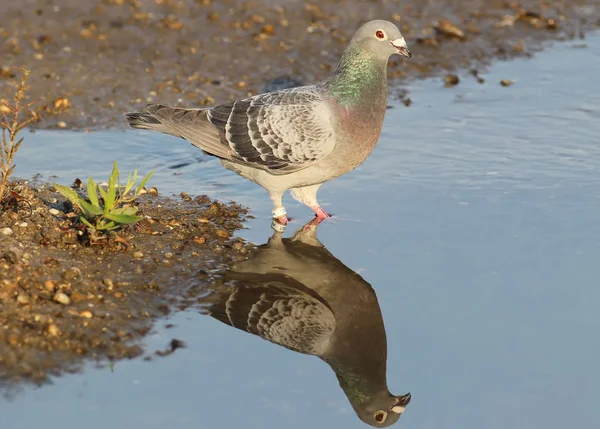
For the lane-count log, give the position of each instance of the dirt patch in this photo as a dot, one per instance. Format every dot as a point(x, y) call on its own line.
point(64, 300)
point(93, 60)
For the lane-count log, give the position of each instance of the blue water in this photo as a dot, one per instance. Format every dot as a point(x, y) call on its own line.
point(475, 221)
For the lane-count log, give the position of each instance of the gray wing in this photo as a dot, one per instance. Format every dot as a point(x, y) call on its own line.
point(276, 308)
point(282, 131)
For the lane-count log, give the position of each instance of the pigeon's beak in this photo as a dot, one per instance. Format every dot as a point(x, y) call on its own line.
point(400, 45)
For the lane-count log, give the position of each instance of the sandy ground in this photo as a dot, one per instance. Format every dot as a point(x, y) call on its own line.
point(93, 60)
point(63, 299)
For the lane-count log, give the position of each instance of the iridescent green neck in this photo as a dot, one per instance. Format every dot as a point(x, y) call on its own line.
point(359, 74)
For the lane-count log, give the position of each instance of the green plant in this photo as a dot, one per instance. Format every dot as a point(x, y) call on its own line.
point(113, 209)
point(11, 128)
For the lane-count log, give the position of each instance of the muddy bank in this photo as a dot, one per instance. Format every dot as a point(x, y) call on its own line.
point(93, 60)
point(64, 299)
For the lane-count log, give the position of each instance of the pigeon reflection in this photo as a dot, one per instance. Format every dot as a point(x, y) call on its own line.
point(295, 293)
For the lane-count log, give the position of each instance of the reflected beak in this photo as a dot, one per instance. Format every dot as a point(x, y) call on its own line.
point(400, 45)
point(404, 400)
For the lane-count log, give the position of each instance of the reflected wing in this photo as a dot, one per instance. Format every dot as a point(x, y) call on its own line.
point(276, 308)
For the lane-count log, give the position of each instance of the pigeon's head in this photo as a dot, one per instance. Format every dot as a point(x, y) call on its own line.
point(383, 411)
point(382, 38)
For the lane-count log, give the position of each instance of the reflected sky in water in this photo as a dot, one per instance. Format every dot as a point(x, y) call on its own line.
point(475, 221)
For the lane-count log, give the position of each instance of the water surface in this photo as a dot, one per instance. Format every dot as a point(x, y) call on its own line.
point(476, 223)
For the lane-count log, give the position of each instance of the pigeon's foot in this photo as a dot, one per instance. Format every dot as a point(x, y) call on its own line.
point(320, 213)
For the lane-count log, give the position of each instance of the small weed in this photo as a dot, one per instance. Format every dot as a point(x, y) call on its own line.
point(11, 128)
point(113, 209)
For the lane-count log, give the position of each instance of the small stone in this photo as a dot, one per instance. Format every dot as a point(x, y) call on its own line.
point(13, 255)
point(203, 220)
point(86, 313)
point(61, 298)
point(72, 273)
point(6, 231)
point(185, 196)
point(199, 240)
point(49, 285)
point(451, 80)
point(506, 82)
point(168, 255)
point(22, 299)
point(61, 124)
point(53, 330)
point(223, 233)
point(137, 255)
point(108, 282)
point(153, 191)
point(23, 225)
point(54, 212)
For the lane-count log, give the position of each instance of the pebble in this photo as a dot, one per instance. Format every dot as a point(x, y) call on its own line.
point(137, 255)
point(22, 299)
point(53, 330)
point(153, 191)
point(199, 240)
point(54, 212)
point(6, 231)
point(72, 273)
point(86, 313)
point(168, 255)
point(108, 282)
point(62, 298)
point(13, 255)
point(506, 82)
point(451, 80)
point(23, 225)
point(49, 285)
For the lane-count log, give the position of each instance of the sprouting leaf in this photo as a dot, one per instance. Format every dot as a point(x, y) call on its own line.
point(92, 192)
point(143, 183)
point(123, 218)
point(90, 208)
point(130, 182)
point(86, 222)
point(126, 209)
point(70, 194)
point(107, 226)
point(111, 194)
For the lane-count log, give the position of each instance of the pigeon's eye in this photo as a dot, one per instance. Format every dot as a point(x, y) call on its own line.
point(380, 416)
point(380, 34)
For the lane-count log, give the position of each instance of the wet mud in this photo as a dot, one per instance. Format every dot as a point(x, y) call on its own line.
point(93, 60)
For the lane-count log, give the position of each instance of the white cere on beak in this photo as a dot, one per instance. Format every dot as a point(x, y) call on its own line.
point(399, 42)
point(398, 409)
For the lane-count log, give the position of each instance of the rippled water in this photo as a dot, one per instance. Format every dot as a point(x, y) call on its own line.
point(475, 221)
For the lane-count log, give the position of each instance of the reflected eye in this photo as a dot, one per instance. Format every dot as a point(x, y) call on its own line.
point(380, 34)
point(380, 416)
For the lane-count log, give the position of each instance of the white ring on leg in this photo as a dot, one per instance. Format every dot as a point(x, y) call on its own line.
point(279, 212)
point(277, 226)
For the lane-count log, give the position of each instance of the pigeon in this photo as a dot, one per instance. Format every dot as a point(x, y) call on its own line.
point(296, 138)
point(293, 292)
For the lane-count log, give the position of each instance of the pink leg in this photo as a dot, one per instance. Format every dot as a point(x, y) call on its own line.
point(320, 213)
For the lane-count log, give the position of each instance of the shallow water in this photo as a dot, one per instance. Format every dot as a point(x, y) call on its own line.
point(476, 223)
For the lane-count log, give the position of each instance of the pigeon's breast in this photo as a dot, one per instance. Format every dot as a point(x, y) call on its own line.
point(357, 133)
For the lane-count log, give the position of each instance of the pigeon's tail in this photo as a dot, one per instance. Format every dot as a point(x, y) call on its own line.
point(190, 124)
point(145, 121)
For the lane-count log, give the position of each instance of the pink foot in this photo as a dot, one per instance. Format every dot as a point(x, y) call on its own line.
point(283, 220)
point(320, 213)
